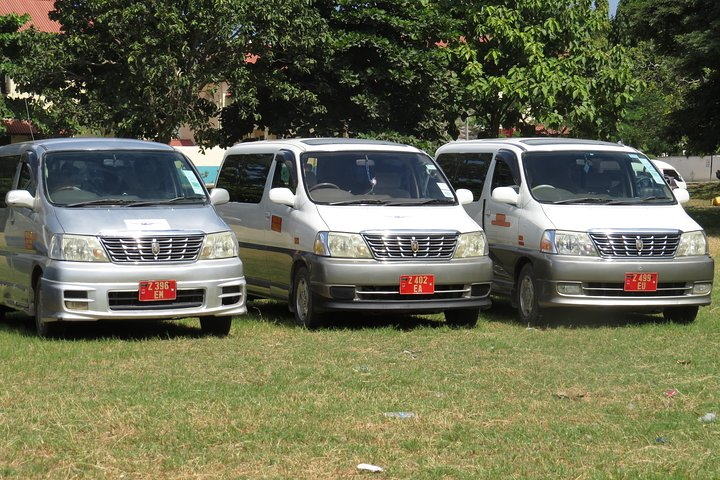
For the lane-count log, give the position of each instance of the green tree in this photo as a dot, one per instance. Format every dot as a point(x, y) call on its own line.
point(544, 62)
point(348, 67)
point(683, 37)
point(135, 68)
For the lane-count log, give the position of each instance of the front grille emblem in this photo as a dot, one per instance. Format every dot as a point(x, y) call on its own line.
point(414, 246)
point(639, 244)
point(155, 248)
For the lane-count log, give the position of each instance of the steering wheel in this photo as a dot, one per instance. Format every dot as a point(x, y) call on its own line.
point(644, 182)
point(66, 187)
point(543, 186)
point(323, 185)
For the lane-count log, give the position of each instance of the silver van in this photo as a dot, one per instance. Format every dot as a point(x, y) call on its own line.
point(104, 229)
point(582, 223)
point(338, 224)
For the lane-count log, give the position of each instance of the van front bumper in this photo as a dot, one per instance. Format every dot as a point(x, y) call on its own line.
point(370, 285)
point(74, 291)
point(577, 281)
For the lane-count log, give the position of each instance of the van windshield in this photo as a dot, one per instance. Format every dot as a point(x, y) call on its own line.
point(598, 177)
point(375, 178)
point(122, 177)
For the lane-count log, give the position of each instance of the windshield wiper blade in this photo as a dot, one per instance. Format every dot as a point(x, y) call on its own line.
point(438, 201)
point(582, 200)
point(102, 201)
point(163, 202)
point(365, 201)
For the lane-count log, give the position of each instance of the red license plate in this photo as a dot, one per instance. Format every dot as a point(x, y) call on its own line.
point(641, 282)
point(417, 284)
point(157, 290)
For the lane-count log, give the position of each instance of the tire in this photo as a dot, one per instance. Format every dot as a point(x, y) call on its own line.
point(682, 315)
point(466, 317)
point(42, 328)
point(306, 315)
point(527, 300)
point(216, 326)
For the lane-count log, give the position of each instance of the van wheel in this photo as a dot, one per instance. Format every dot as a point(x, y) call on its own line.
point(44, 329)
point(303, 302)
point(680, 314)
point(527, 301)
point(466, 317)
point(216, 326)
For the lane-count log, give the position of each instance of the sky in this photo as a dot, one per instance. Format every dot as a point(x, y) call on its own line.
point(613, 7)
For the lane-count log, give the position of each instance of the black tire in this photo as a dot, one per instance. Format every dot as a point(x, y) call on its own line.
point(527, 296)
point(466, 317)
point(306, 315)
point(42, 328)
point(216, 326)
point(682, 315)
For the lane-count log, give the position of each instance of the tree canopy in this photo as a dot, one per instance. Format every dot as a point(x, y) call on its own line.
point(393, 69)
point(681, 38)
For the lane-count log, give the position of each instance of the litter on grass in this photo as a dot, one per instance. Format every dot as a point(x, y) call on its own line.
point(399, 414)
point(369, 468)
point(708, 417)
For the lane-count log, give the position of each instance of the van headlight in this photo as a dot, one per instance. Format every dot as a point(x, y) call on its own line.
point(472, 244)
point(341, 245)
point(219, 245)
point(563, 242)
point(693, 243)
point(77, 248)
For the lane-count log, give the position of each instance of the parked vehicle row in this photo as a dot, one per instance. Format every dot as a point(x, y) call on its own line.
point(102, 229)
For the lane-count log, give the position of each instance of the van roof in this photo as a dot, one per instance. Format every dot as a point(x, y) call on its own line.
point(541, 143)
point(83, 143)
point(323, 144)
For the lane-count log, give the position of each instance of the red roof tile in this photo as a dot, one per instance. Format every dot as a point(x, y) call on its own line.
point(38, 11)
point(18, 127)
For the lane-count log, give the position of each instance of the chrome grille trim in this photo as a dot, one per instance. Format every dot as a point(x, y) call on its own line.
point(637, 244)
point(168, 248)
point(411, 245)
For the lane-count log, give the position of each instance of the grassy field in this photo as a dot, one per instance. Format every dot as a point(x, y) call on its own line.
point(591, 396)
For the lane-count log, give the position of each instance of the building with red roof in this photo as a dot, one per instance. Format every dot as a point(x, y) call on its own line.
point(38, 11)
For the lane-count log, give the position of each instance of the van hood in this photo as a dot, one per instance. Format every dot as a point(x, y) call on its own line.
point(593, 217)
point(358, 218)
point(121, 219)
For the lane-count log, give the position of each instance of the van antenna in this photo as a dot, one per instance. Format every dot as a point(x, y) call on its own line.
point(27, 112)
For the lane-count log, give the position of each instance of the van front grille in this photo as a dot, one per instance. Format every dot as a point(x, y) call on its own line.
point(153, 249)
point(411, 246)
point(629, 244)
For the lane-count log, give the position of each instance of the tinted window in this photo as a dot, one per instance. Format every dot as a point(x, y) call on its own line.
point(26, 180)
point(8, 167)
point(466, 170)
point(285, 175)
point(120, 176)
point(397, 178)
point(594, 177)
point(244, 176)
point(505, 173)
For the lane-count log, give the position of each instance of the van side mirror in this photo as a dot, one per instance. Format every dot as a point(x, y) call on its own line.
point(20, 198)
point(681, 195)
point(282, 196)
point(464, 196)
point(219, 196)
point(506, 195)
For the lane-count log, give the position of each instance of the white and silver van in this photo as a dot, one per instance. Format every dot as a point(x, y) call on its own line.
point(331, 224)
point(103, 229)
point(582, 223)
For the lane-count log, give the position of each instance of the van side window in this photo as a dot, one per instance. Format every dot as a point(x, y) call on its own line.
point(466, 170)
point(505, 174)
point(8, 166)
point(285, 175)
point(26, 180)
point(244, 176)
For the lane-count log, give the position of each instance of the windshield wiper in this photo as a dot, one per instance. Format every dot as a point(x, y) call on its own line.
point(102, 201)
point(437, 201)
point(582, 200)
point(365, 201)
point(145, 203)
